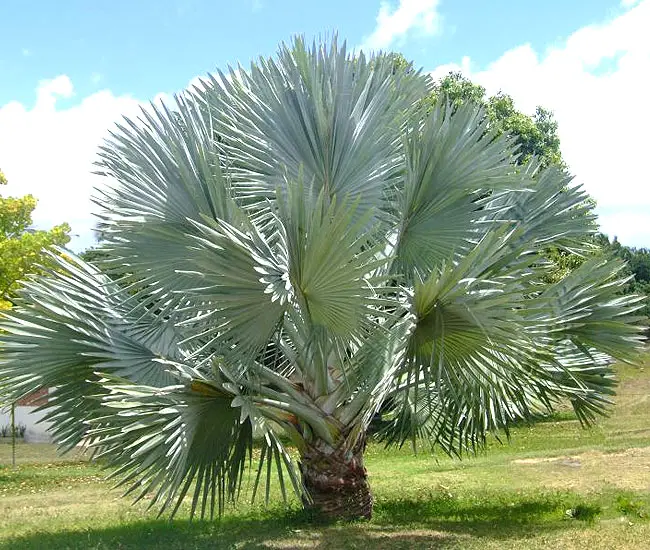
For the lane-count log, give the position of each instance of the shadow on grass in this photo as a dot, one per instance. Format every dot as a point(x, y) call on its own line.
point(499, 515)
point(430, 521)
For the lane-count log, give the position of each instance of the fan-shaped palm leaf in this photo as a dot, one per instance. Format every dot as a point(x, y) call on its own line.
point(299, 247)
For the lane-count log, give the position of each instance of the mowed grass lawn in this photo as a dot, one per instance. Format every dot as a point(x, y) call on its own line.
point(554, 486)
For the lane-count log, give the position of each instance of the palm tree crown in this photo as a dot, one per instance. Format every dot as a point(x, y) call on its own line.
point(292, 249)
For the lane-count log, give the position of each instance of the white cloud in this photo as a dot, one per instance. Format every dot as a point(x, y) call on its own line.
point(48, 151)
point(198, 82)
point(443, 70)
point(596, 84)
point(96, 78)
point(393, 25)
point(629, 3)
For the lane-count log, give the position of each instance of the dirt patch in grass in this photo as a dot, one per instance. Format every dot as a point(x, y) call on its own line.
point(628, 469)
point(572, 461)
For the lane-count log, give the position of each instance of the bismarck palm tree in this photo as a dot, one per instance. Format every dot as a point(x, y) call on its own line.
point(288, 251)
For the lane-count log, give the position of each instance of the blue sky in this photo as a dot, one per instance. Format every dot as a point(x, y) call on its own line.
point(69, 69)
point(144, 47)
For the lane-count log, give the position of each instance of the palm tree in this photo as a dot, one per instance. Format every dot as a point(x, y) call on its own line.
point(294, 248)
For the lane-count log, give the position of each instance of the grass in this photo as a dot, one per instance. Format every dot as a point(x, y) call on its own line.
point(554, 486)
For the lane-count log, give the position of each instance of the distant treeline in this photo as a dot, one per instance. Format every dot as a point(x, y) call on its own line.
point(638, 264)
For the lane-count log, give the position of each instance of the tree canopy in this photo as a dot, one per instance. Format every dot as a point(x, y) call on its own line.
point(538, 135)
point(21, 247)
point(533, 135)
point(637, 266)
point(342, 248)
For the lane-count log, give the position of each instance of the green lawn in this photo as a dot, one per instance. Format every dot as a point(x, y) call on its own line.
point(553, 486)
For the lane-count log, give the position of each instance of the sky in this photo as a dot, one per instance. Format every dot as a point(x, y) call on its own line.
point(70, 69)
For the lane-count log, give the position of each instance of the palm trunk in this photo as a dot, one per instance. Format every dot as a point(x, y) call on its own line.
point(336, 481)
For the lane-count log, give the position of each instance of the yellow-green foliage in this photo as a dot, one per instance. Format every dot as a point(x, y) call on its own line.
point(20, 246)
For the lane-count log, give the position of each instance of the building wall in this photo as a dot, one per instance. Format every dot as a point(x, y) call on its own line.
point(25, 414)
point(36, 399)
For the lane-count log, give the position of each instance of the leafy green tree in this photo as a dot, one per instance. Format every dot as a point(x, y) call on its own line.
point(457, 90)
point(533, 136)
point(638, 268)
point(21, 247)
point(536, 135)
point(341, 251)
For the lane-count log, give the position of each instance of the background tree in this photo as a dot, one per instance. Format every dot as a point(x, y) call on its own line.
point(342, 247)
point(637, 266)
point(538, 136)
point(21, 246)
point(533, 135)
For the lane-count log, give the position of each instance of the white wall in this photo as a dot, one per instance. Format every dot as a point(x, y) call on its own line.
point(35, 433)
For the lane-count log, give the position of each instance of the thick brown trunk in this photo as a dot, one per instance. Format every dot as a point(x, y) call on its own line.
point(337, 482)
